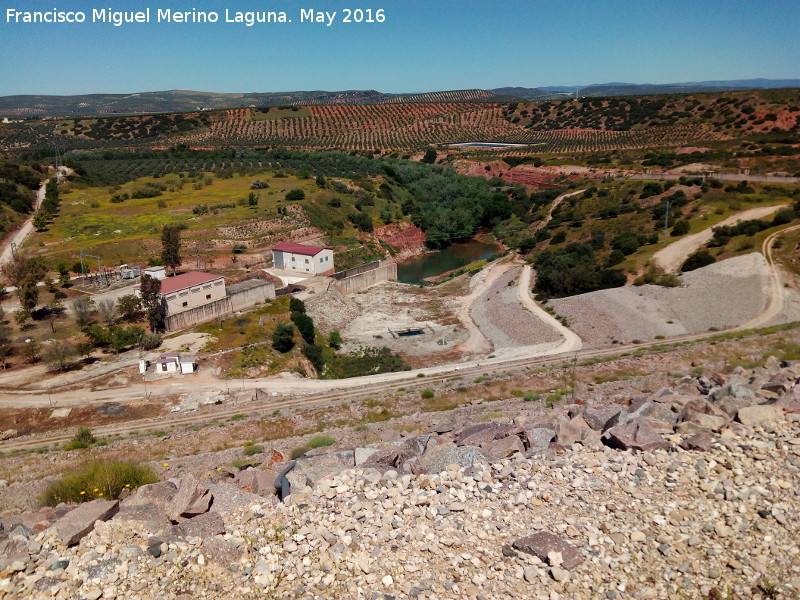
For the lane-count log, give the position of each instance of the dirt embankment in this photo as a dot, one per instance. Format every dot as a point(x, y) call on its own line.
point(408, 239)
point(527, 175)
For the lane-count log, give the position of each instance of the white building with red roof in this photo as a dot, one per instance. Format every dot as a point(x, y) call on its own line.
point(190, 290)
point(301, 258)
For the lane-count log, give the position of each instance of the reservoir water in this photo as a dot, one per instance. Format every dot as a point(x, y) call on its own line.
point(452, 257)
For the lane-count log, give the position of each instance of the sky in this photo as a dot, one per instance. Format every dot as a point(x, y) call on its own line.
point(422, 45)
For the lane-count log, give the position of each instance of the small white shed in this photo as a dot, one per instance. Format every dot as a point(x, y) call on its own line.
point(188, 364)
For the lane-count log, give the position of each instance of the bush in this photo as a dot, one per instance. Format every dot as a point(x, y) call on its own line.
point(699, 259)
point(531, 397)
point(97, 480)
point(295, 195)
point(253, 449)
point(299, 452)
point(427, 394)
point(320, 441)
point(151, 341)
point(680, 228)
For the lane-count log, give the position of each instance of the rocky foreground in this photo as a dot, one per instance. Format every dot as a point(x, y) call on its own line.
point(692, 492)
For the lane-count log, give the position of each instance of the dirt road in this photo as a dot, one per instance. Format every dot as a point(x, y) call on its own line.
point(777, 295)
point(21, 234)
point(672, 257)
point(571, 343)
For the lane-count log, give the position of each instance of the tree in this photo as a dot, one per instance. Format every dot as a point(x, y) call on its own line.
point(295, 195)
point(171, 247)
point(297, 305)
point(680, 228)
point(430, 156)
point(316, 356)
point(130, 307)
point(305, 325)
point(107, 309)
point(252, 199)
point(32, 351)
point(40, 220)
point(21, 316)
point(152, 303)
point(58, 354)
point(283, 337)
point(24, 273)
point(5, 343)
point(335, 340)
point(83, 307)
point(699, 259)
point(320, 181)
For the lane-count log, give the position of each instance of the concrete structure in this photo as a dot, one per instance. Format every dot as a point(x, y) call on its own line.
point(357, 279)
point(155, 272)
point(313, 260)
point(240, 296)
point(175, 363)
point(191, 290)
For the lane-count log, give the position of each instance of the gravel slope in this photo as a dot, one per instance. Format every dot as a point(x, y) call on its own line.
point(504, 321)
point(721, 295)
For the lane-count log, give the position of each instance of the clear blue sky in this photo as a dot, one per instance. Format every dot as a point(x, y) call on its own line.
point(424, 45)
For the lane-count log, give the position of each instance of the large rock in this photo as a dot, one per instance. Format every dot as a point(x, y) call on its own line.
point(440, 457)
point(547, 545)
point(539, 437)
point(577, 431)
point(698, 441)
point(77, 523)
point(475, 435)
point(502, 448)
point(636, 435)
point(257, 481)
point(202, 526)
point(599, 416)
point(164, 490)
point(45, 518)
point(191, 499)
point(228, 498)
point(762, 414)
point(362, 455)
point(695, 422)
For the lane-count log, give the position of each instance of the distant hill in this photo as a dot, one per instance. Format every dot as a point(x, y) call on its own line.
point(16, 107)
point(637, 89)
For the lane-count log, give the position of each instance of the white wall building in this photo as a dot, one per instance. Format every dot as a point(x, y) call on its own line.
point(313, 260)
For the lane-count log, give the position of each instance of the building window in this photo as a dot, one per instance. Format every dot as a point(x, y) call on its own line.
point(195, 290)
point(182, 294)
point(207, 287)
point(208, 296)
point(306, 261)
point(185, 304)
point(218, 282)
point(171, 297)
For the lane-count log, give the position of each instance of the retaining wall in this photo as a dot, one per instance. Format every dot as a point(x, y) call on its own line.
point(387, 271)
point(241, 296)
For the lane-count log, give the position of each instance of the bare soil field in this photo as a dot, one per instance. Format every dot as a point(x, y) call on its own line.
point(721, 295)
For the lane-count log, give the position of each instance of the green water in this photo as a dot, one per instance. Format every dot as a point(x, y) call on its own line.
point(452, 257)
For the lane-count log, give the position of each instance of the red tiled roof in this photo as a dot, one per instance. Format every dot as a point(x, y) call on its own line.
point(186, 280)
point(299, 248)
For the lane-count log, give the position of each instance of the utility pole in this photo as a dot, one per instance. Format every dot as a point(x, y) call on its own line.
point(666, 222)
point(197, 256)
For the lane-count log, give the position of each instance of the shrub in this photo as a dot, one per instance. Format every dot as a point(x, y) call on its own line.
point(320, 441)
point(253, 449)
point(299, 452)
point(427, 394)
point(531, 397)
point(699, 259)
point(97, 480)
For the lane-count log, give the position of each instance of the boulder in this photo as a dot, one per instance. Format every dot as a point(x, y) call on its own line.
point(732, 405)
point(636, 435)
point(599, 416)
point(45, 518)
point(439, 458)
point(362, 455)
point(540, 437)
point(77, 523)
point(257, 481)
point(191, 499)
point(475, 435)
point(547, 546)
point(734, 389)
point(202, 526)
point(576, 431)
point(502, 448)
point(695, 422)
point(698, 441)
point(228, 498)
point(164, 490)
point(761, 414)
